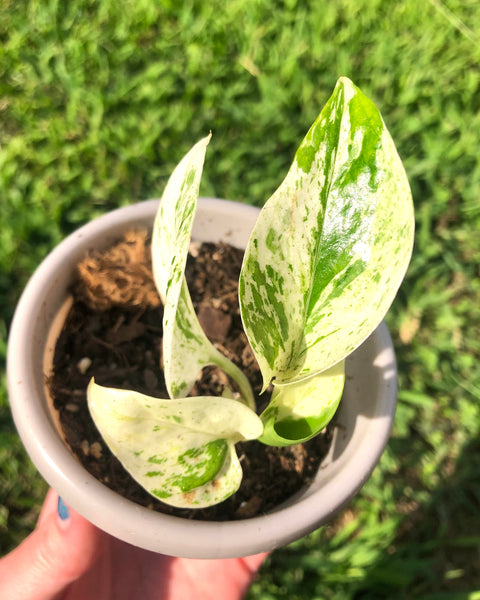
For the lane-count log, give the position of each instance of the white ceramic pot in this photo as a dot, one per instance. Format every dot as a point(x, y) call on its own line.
point(365, 415)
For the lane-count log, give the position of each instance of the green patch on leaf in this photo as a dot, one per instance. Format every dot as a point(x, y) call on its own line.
point(161, 494)
point(157, 460)
point(200, 465)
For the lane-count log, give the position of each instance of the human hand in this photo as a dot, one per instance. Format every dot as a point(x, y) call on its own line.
point(70, 559)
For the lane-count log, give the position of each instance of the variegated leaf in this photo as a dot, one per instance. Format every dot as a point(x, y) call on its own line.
point(331, 246)
point(180, 451)
point(298, 411)
point(186, 349)
point(173, 222)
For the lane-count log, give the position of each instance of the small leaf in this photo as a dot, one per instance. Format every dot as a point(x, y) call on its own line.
point(300, 410)
point(331, 246)
point(183, 335)
point(173, 222)
point(180, 451)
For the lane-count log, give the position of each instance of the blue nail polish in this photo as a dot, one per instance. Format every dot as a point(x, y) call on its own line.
point(62, 510)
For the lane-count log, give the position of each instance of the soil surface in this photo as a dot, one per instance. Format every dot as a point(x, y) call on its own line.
point(114, 333)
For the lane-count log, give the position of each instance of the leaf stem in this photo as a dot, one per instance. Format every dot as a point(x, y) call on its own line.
point(238, 376)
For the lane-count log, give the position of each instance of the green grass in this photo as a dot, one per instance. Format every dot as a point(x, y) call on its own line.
point(99, 100)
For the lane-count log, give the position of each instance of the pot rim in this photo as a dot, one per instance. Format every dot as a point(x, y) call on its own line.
point(131, 522)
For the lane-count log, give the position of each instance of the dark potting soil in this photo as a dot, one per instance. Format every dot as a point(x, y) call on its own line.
point(114, 333)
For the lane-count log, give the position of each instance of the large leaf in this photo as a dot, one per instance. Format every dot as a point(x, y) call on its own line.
point(186, 349)
point(300, 410)
point(331, 246)
point(180, 451)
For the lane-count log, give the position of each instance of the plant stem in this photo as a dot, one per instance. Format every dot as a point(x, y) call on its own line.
point(238, 376)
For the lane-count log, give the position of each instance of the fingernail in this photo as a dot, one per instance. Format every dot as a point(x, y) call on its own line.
point(62, 510)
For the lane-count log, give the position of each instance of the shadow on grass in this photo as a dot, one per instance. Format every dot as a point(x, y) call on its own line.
point(427, 550)
point(436, 551)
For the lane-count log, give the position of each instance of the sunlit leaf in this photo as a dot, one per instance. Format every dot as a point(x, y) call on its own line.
point(300, 410)
point(186, 348)
point(331, 246)
point(181, 451)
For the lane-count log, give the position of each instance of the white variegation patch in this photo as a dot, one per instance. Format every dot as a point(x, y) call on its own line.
point(181, 451)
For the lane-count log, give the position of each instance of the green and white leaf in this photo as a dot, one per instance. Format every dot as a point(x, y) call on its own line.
point(183, 336)
point(331, 246)
point(180, 451)
point(173, 222)
point(300, 410)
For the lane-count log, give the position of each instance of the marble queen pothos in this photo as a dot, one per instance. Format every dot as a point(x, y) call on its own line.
point(323, 264)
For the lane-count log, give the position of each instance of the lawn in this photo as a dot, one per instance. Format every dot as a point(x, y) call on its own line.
point(99, 100)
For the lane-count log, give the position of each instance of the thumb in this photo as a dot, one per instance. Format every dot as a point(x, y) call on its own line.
point(58, 552)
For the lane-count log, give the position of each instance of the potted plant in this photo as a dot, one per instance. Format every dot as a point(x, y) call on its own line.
point(322, 265)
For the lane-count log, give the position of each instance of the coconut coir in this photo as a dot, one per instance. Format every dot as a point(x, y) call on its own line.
point(114, 333)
